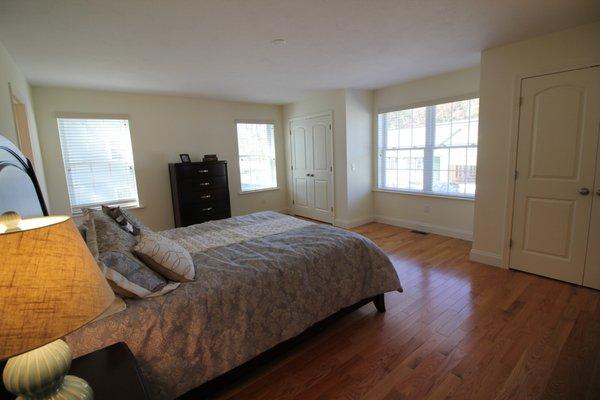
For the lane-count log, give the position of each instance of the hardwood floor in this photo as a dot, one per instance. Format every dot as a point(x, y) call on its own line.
point(460, 330)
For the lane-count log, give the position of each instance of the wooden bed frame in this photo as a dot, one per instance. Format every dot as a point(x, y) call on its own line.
point(19, 187)
point(25, 197)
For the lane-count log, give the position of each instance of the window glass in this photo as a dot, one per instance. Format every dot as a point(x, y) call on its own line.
point(256, 149)
point(98, 161)
point(430, 149)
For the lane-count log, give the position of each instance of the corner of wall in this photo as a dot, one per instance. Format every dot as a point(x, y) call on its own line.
point(486, 257)
point(10, 74)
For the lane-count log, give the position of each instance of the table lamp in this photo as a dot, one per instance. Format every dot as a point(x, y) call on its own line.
point(50, 285)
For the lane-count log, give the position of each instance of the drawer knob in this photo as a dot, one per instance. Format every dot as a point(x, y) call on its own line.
point(204, 184)
point(206, 196)
point(207, 209)
point(202, 171)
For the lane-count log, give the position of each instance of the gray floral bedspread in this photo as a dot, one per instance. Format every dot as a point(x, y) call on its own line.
point(260, 279)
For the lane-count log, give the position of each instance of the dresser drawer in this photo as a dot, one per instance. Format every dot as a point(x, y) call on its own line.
point(205, 212)
point(204, 196)
point(202, 184)
point(201, 171)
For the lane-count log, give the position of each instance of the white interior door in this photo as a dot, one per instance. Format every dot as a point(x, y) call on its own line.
point(558, 138)
point(591, 275)
point(312, 167)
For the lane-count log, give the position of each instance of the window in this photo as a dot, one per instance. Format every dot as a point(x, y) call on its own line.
point(98, 162)
point(256, 149)
point(430, 149)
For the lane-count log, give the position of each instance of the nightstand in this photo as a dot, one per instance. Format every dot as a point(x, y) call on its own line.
point(112, 372)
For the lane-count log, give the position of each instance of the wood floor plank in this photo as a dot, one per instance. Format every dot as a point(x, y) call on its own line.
point(461, 330)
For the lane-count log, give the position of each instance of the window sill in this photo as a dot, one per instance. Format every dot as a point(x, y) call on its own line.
point(79, 213)
point(422, 194)
point(258, 190)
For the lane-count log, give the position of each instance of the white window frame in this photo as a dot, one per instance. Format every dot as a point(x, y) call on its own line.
point(237, 149)
point(428, 150)
point(77, 209)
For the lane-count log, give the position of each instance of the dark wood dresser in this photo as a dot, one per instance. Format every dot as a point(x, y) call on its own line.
point(200, 192)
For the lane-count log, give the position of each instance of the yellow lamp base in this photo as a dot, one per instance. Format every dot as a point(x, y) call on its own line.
point(40, 374)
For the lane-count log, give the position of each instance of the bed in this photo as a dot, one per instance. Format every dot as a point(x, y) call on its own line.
point(261, 279)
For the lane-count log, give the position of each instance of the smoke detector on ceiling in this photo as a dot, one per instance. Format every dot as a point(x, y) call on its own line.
point(278, 42)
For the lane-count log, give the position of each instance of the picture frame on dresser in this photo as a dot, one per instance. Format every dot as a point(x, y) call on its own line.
point(200, 192)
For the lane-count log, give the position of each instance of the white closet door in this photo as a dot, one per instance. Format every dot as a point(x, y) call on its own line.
point(558, 140)
point(591, 275)
point(312, 167)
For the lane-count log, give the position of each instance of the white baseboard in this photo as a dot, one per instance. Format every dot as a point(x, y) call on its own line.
point(352, 223)
point(485, 257)
point(425, 227)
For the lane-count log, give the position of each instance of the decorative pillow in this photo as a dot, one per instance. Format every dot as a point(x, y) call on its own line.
point(128, 277)
point(124, 222)
point(88, 231)
point(83, 230)
point(165, 257)
point(111, 246)
point(90, 236)
point(135, 220)
point(109, 235)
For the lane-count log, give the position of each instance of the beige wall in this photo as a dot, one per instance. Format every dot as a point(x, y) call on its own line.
point(11, 75)
point(359, 152)
point(446, 216)
point(502, 68)
point(334, 101)
point(161, 127)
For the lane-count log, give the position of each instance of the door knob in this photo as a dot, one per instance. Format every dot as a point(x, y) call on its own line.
point(307, 174)
point(598, 192)
point(584, 191)
point(312, 174)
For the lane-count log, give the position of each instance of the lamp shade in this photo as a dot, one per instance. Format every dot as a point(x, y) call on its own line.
point(50, 284)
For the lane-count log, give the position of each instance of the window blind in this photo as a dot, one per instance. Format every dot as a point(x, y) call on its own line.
point(430, 149)
point(256, 149)
point(98, 162)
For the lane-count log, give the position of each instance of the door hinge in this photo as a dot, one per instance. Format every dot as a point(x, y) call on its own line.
point(520, 101)
point(516, 174)
point(290, 131)
point(331, 168)
point(329, 126)
point(292, 167)
point(332, 209)
point(510, 244)
point(293, 202)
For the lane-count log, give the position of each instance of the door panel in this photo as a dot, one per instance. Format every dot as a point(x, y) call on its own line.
point(312, 165)
point(556, 157)
point(320, 162)
point(301, 192)
point(557, 131)
point(299, 137)
point(548, 227)
point(321, 195)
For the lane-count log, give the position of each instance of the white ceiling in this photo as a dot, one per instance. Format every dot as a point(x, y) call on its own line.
point(222, 48)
